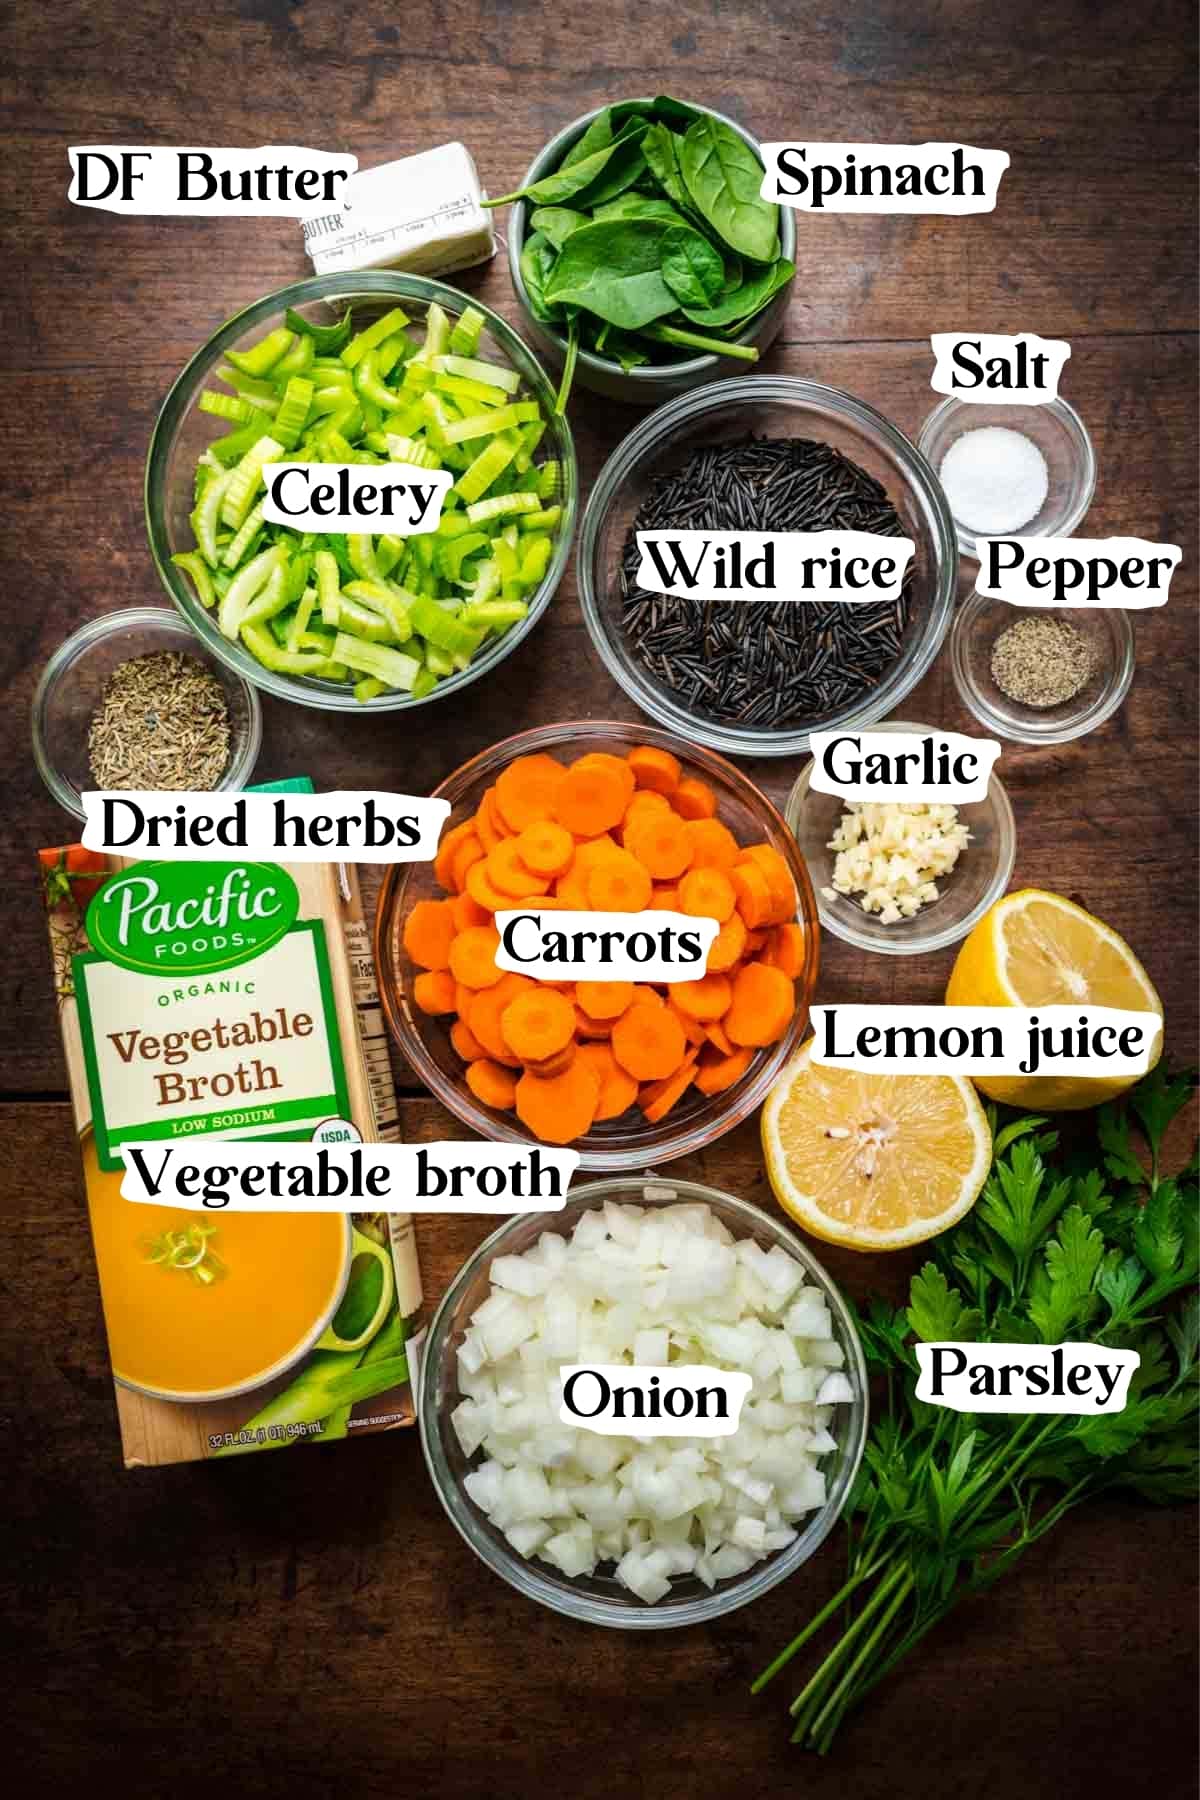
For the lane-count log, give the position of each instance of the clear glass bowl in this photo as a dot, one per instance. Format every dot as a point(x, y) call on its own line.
point(980, 620)
point(978, 879)
point(600, 1599)
point(182, 431)
point(629, 1142)
point(74, 679)
point(1061, 436)
point(652, 385)
point(769, 406)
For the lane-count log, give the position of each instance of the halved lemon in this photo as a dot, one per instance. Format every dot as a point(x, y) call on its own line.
point(1036, 949)
point(874, 1162)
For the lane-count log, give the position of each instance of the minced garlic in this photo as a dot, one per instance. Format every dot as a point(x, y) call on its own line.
point(890, 852)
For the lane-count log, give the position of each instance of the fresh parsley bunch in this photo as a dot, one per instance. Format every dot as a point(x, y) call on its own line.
point(1079, 1241)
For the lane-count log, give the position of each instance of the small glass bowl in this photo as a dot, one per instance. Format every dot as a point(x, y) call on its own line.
point(629, 1142)
point(980, 620)
point(981, 874)
point(182, 432)
point(600, 1599)
point(74, 680)
point(651, 385)
point(1061, 436)
point(768, 406)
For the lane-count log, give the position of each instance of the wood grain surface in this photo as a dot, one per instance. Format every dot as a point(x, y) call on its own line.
point(309, 1623)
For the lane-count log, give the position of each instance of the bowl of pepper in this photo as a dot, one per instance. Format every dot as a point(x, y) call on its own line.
point(1041, 677)
point(765, 453)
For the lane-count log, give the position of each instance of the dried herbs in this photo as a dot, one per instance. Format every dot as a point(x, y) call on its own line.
point(764, 665)
point(163, 722)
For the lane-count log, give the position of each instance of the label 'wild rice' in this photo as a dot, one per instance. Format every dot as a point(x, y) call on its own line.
point(764, 664)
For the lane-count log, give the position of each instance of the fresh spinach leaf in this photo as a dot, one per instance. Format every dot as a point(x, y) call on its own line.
point(613, 270)
point(660, 148)
point(639, 206)
point(557, 223)
point(623, 168)
point(723, 176)
point(598, 136)
point(665, 106)
point(537, 263)
point(744, 302)
point(566, 182)
point(691, 268)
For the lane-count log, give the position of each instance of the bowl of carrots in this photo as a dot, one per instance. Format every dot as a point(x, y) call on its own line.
point(604, 817)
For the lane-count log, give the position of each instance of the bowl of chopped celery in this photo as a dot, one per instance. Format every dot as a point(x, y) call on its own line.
point(362, 368)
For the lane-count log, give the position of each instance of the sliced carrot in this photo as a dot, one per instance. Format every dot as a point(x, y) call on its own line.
point(645, 995)
point(693, 1030)
point(483, 893)
point(786, 950)
point(463, 997)
point(648, 1041)
point(660, 842)
point(466, 855)
point(489, 832)
point(603, 759)
point(707, 894)
point(665, 897)
point(591, 852)
point(429, 933)
point(546, 848)
point(715, 1072)
point(753, 892)
point(537, 1023)
point(708, 997)
point(718, 1037)
point(619, 883)
point(713, 844)
point(764, 1001)
point(658, 1097)
point(645, 800)
point(586, 1027)
point(527, 789)
point(604, 999)
point(493, 1084)
point(473, 956)
point(569, 888)
point(755, 941)
point(694, 799)
point(556, 1064)
point(655, 769)
point(508, 873)
point(591, 799)
point(779, 879)
point(448, 843)
point(466, 1044)
point(433, 991)
point(559, 1107)
point(468, 912)
point(618, 1091)
point(728, 946)
point(483, 1016)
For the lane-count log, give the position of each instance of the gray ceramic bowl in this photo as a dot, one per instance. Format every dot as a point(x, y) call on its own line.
point(652, 385)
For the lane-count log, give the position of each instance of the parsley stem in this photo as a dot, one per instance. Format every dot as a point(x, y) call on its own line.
point(811, 1691)
point(814, 1625)
point(897, 1601)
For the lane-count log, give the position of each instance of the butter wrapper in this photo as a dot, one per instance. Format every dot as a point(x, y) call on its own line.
point(423, 214)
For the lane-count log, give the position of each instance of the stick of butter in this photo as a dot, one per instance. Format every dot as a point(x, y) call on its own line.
point(421, 213)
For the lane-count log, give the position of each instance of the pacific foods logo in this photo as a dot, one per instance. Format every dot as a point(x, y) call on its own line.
point(190, 918)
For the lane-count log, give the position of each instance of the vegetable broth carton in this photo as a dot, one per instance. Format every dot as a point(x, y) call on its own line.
point(231, 1332)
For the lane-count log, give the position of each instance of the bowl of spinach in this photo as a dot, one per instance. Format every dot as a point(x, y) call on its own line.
point(643, 257)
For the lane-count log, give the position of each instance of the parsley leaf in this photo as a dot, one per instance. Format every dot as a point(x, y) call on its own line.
point(1158, 1234)
point(1157, 1099)
point(1062, 1296)
point(936, 1311)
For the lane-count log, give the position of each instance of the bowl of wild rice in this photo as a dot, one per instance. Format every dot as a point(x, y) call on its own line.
point(134, 700)
point(766, 453)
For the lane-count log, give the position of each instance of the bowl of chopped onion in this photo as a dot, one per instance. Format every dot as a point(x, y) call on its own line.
point(646, 1531)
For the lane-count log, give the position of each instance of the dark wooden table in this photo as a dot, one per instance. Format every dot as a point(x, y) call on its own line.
point(310, 1624)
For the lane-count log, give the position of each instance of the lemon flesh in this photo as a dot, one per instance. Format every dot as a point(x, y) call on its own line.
point(874, 1162)
point(1036, 949)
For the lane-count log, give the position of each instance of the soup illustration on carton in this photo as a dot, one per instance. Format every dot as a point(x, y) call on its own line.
point(232, 999)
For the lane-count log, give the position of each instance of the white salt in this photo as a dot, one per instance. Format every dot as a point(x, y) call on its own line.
point(996, 480)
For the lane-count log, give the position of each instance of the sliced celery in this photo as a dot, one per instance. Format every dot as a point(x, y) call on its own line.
point(471, 369)
point(489, 423)
point(239, 544)
point(263, 648)
point(292, 416)
point(394, 667)
point(249, 583)
point(206, 517)
point(544, 520)
point(263, 356)
point(369, 689)
point(243, 484)
point(464, 339)
point(365, 340)
point(501, 506)
point(326, 571)
point(479, 476)
point(193, 564)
